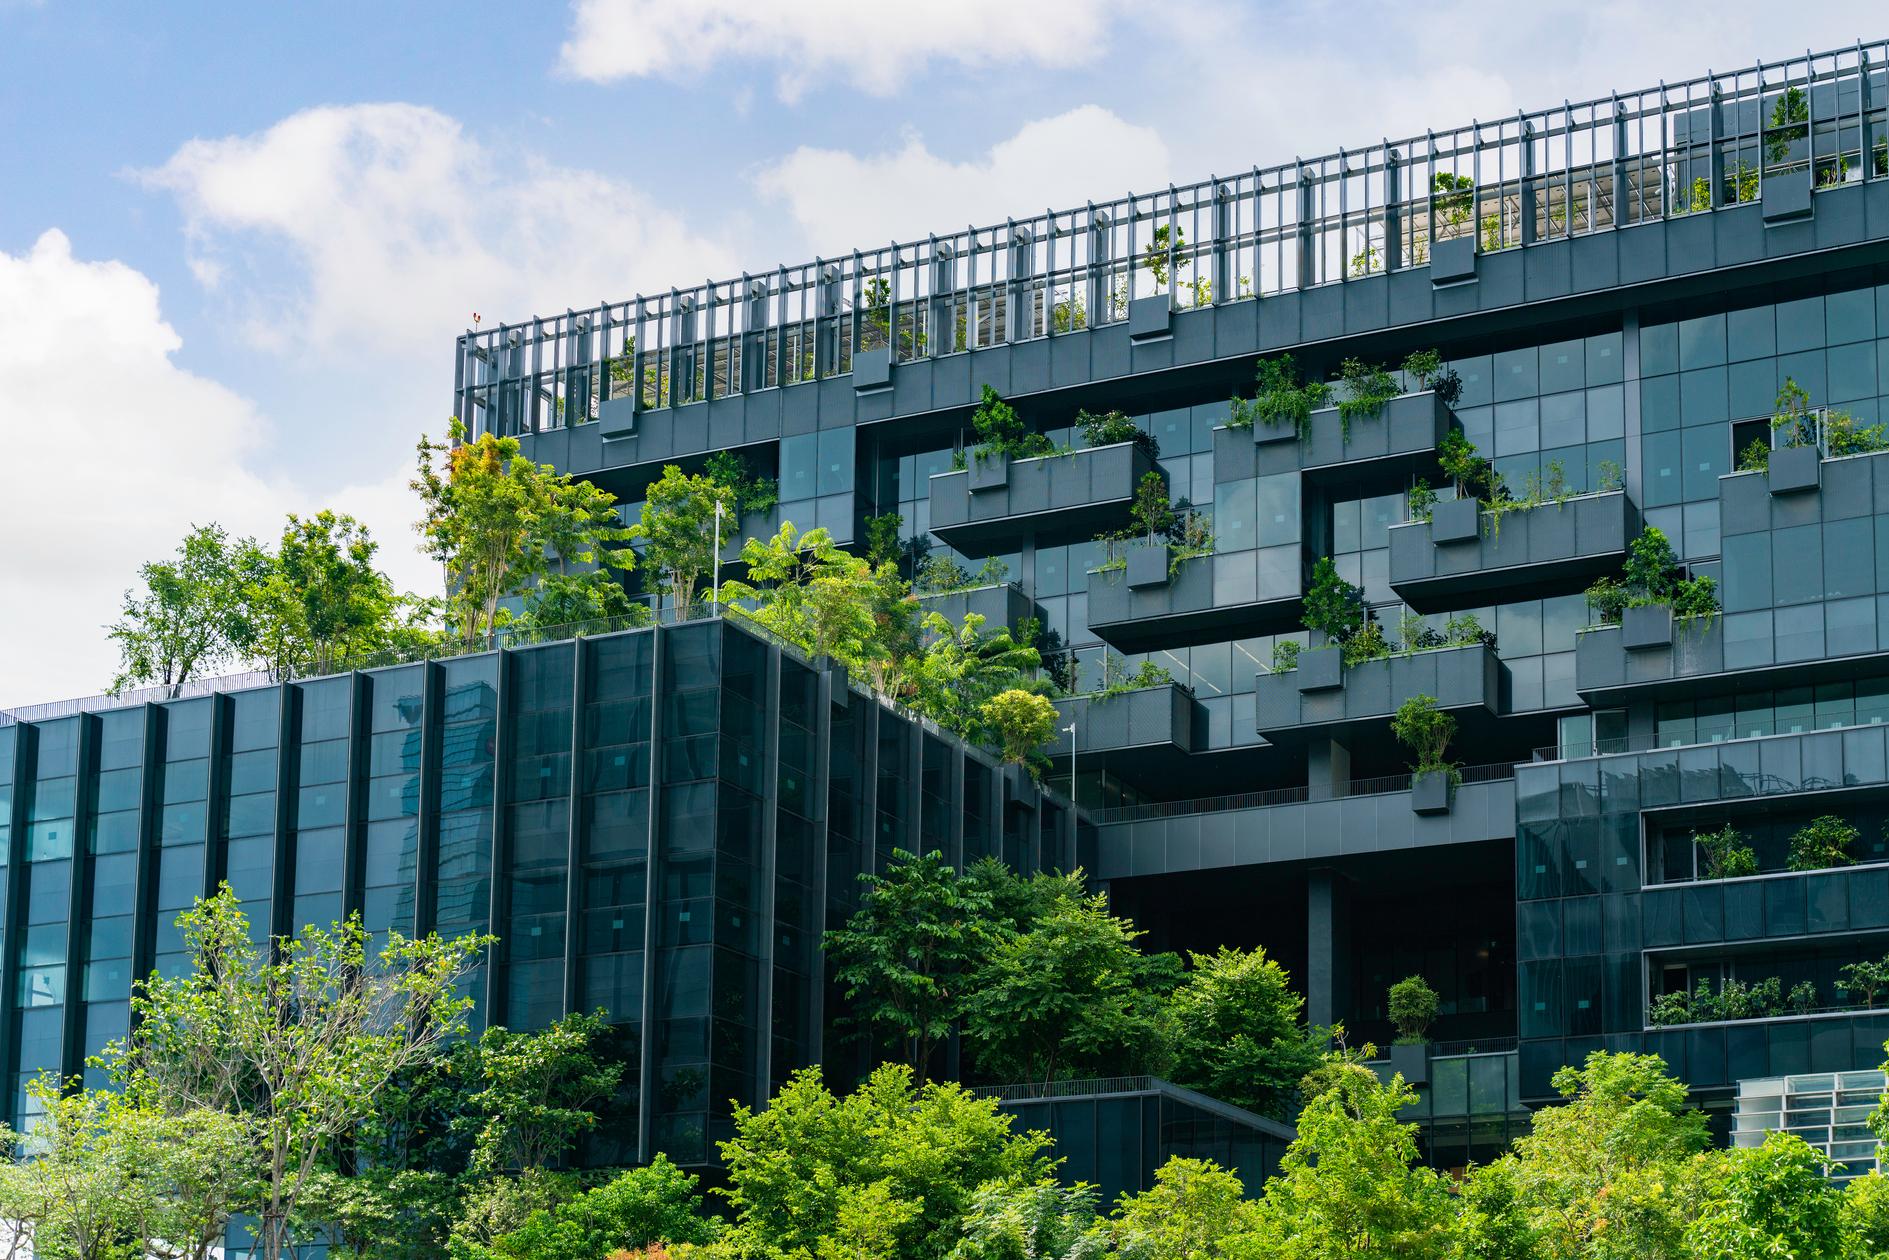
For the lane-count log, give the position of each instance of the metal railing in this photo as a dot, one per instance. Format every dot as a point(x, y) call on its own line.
point(1570, 170)
point(1381, 786)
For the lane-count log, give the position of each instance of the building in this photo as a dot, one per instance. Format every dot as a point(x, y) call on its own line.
point(1618, 290)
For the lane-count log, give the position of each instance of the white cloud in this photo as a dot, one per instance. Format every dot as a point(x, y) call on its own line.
point(843, 201)
point(383, 227)
point(116, 453)
point(868, 44)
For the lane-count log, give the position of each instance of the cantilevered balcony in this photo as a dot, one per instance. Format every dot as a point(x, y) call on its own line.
point(1462, 555)
point(1143, 731)
point(1155, 602)
point(1321, 699)
point(1365, 455)
point(1719, 654)
point(984, 507)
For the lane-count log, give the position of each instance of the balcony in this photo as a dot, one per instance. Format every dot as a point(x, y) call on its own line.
point(1142, 731)
point(1462, 555)
point(1070, 496)
point(1710, 655)
point(1308, 702)
point(1374, 816)
point(1204, 599)
point(1775, 905)
point(1370, 455)
point(1000, 604)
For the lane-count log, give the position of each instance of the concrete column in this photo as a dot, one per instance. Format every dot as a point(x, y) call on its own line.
point(1328, 947)
point(1327, 769)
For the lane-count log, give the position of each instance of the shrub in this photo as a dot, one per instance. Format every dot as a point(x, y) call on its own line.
point(1412, 1006)
point(1867, 978)
point(1368, 644)
point(1822, 842)
point(1285, 655)
point(1426, 731)
point(1023, 723)
point(1279, 398)
point(1670, 1008)
point(1368, 386)
point(1000, 431)
point(1727, 856)
point(1333, 606)
point(1112, 427)
point(1422, 501)
point(1803, 996)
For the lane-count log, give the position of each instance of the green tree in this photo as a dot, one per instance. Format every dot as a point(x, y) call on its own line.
point(379, 1212)
point(1412, 1005)
point(319, 600)
point(1070, 997)
point(905, 958)
point(678, 530)
point(191, 618)
point(908, 1156)
point(1196, 1210)
point(1866, 1216)
point(1333, 606)
point(807, 590)
point(1349, 1184)
point(636, 1209)
point(498, 522)
point(1822, 842)
point(1239, 1034)
point(302, 1041)
point(1610, 1174)
point(1775, 1199)
point(1726, 854)
point(1000, 431)
point(961, 667)
point(571, 599)
point(1037, 1222)
point(1021, 721)
point(538, 1091)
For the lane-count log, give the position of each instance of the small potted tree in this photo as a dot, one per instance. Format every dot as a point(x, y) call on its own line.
point(1153, 517)
point(1022, 722)
point(1412, 1008)
point(1335, 609)
point(1426, 731)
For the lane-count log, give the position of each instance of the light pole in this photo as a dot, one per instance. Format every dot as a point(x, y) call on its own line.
point(714, 591)
point(1071, 728)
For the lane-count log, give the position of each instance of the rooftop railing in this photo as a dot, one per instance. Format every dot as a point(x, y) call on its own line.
point(1569, 170)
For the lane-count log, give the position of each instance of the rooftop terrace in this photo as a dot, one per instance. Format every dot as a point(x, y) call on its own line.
point(1704, 144)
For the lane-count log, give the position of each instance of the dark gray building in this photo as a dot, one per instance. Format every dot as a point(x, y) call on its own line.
point(1619, 288)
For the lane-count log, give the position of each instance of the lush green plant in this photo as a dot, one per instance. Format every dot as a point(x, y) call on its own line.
point(1776, 1199)
point(1475, 477)
point(1000, 431)
point(1726, 854)
point(638, 1208)
point(1453, 195)
point(940, 575)
point(1239, 1031)
point(754, 493)
point(1368, 644)
point(1039, 1222)
point(1367, 388)
point(1423, 366)
point(1118, 681)
point(1113, 427)
point(1670, 1008)
point(1650, 576)
point(1609, 476)
point(1426, 731)
point(1788, 114)
point(1071, 996)
point(1195, 1210)
point(807, 590)
point(1420, 501)
point(1350, 1183)
point(1868, 978)
point(1823, 842)
point(1279, 398)
point(1165, 246)
point(882, 537)
point(678, 529)
point(301, 1073)
point(905, 957)
point(1333, 606)
point(1022, 722)
point(888, 1170)
point(1412, 1005)
point(538, 1091)
point(1803, 997)
point(1149, 513)
point(1285, 655)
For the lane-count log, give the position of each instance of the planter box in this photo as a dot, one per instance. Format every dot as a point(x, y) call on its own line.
point(1003, 604)
point(1412, 1063)
point(1320, 669)
point(1149, 318)
point(1455, 521)
point(1453, 262)
point(982, 508)
point(1020, 790)
point(1375, 454)
point(1794, 469)
point(1430, 792)
point(872, 369)
point(987, 472)
point(1553, 549)
point(1148, 566)
point(1183, 610)
point(1786, 197)
point(1144, 722)
point(1649, 626)
point(1466, 681)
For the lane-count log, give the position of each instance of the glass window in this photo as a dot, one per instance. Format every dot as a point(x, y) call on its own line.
point(1800, 325)
point(1751, 333)
point(836, 460)
point(1604, 366)
point(1563, 367)
point(800, 467)
point(1659, 349)
point(1702, 341)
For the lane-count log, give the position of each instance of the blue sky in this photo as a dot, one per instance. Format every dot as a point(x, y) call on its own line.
point(236, 241)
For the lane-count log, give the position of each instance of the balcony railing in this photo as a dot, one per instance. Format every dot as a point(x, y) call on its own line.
point(1380, 786)
point(1570, 170)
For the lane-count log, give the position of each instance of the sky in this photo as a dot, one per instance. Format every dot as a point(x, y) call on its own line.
point(237, 241)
